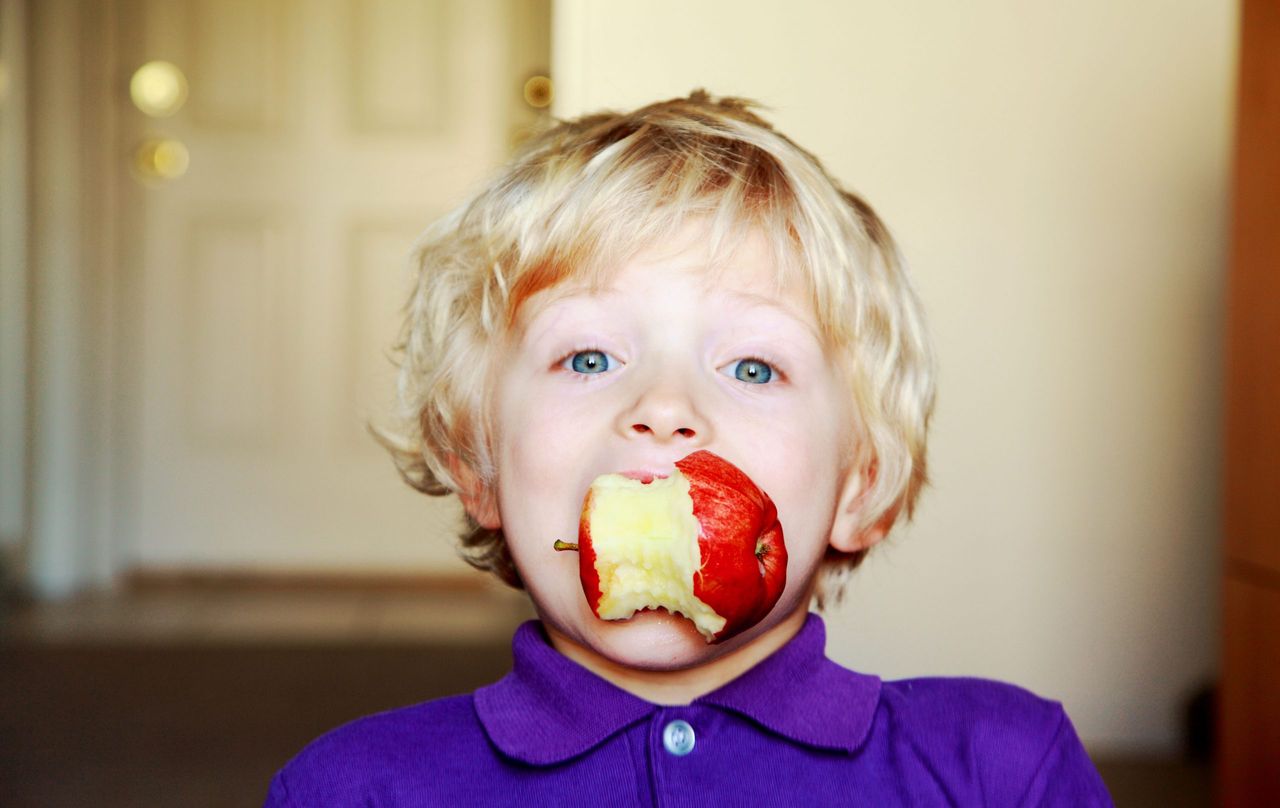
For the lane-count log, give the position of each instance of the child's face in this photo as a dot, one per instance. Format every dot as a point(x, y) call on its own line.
point(641, 376)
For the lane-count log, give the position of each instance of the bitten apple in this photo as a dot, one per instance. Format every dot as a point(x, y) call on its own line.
point(704, 543)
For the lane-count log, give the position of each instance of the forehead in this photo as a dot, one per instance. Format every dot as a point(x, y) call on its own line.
point(741, 273)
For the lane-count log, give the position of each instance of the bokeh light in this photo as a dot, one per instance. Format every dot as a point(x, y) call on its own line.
point(158, 88)
point(161, 158)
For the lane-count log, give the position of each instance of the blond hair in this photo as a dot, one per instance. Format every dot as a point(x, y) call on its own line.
point(587, 193)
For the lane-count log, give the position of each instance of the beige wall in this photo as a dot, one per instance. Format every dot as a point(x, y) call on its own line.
point(1056, 174)
point(13, 279)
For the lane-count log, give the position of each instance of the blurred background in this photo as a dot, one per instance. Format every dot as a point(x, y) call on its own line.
point(206, 208)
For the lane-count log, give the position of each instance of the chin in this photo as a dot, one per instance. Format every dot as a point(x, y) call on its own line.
point(656, 640)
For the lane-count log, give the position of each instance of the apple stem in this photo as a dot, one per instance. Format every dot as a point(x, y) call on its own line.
point(564, 545)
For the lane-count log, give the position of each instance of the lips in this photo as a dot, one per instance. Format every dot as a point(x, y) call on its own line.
point(645, 475)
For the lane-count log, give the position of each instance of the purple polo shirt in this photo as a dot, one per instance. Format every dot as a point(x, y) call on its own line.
point(797, 729)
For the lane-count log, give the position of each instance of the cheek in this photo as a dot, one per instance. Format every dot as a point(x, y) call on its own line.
point(540, 456)
point(546, 445)
point(805, 501)
point(800, 471)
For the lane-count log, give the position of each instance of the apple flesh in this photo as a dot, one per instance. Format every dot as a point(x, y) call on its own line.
point(704, 543)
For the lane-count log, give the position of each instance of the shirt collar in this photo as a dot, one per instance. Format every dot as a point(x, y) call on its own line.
point(549, 708)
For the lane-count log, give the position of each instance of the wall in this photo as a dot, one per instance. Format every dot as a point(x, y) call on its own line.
point(64, 541)
point(1056, 175)
point(13, 280)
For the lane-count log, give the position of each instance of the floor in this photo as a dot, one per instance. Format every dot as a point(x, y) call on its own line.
point(195, 697)
point(232, 615)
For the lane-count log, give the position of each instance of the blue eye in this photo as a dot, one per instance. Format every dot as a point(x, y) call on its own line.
point(755, 371)
point(594, 362)
point(589, 362)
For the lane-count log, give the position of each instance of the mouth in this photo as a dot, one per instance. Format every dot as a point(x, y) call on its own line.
point(645, 476)
point(659, 614)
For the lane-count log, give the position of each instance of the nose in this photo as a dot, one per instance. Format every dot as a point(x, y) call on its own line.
point(666, 411)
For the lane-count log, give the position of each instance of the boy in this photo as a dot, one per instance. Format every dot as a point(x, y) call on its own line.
point(631, 289)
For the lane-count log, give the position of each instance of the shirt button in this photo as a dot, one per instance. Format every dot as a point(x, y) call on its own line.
point(677, 737)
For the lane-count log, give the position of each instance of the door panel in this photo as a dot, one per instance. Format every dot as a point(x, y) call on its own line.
point(1249, 759)
point(323, 136)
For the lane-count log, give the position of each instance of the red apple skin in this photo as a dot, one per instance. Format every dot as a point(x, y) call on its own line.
point(587, 556)
point(739, 535)
point(743, 558)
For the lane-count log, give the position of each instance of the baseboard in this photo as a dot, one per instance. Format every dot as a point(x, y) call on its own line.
point(141, 580)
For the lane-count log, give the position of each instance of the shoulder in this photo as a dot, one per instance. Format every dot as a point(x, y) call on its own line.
point(379, 753)
point(984, 714)
point(1006, 737)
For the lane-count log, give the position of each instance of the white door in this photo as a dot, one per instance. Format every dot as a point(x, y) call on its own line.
point(323, 136)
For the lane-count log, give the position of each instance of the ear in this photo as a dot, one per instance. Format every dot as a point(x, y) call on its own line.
point(481, 504)
point(846, 537)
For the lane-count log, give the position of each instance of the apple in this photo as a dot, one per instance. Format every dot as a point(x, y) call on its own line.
point(704, 543)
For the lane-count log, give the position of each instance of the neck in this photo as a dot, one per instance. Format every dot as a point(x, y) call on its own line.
point(683, 686)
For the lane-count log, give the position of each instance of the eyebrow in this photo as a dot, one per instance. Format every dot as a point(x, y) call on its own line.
point(532, 314)
point(764, 301)
point(758, 300)
point(752, 299)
